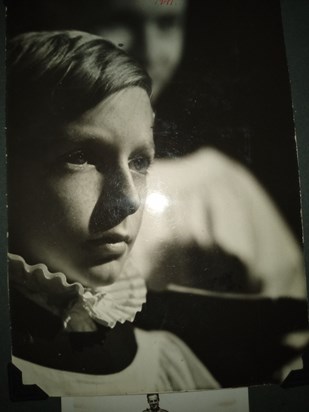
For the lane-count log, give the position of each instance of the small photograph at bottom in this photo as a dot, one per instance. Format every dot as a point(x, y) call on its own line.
point(227, 400)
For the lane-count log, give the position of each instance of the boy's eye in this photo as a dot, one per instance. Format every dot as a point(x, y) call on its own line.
point(140, 164)
point(77, 158)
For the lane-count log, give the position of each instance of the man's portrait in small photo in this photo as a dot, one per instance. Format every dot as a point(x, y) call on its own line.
point(153, 400)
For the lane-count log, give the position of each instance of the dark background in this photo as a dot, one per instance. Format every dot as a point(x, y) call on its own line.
point(296, 19)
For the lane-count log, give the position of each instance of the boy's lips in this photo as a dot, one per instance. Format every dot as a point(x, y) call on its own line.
point(109, 238)
point(108, 247)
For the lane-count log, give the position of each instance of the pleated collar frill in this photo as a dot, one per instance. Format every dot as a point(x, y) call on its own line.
point(79, 308)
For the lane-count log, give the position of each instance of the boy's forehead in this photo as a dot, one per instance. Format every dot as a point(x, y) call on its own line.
point(125, 116)
point(127, 108)
point(127, 113)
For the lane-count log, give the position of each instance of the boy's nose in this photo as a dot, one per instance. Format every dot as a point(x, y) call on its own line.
point(120, 197)
point(126, 193)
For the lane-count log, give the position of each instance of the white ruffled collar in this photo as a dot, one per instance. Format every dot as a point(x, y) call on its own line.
point(78, 306)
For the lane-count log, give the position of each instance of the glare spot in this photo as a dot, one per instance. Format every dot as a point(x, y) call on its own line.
point(156, 202)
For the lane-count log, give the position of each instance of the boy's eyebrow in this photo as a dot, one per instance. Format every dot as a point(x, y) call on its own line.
point(150, 148)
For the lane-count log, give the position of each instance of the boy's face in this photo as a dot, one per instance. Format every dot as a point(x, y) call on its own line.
point(77, 205)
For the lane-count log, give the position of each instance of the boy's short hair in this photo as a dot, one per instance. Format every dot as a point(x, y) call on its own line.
point(54, 77)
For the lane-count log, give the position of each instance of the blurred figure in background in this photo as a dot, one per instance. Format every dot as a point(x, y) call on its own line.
point(152, 31)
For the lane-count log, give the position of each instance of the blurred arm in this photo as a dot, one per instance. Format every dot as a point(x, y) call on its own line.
point(212, 201)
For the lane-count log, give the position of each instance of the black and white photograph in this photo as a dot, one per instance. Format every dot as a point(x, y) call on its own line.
point(223, 400)
point(154, 220)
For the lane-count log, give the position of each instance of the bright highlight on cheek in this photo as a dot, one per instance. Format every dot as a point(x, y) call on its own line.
point(156, 202)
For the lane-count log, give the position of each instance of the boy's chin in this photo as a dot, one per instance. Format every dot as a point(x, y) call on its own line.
point(103, 275)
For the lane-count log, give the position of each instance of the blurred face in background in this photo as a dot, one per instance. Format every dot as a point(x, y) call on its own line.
point(152, 31)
